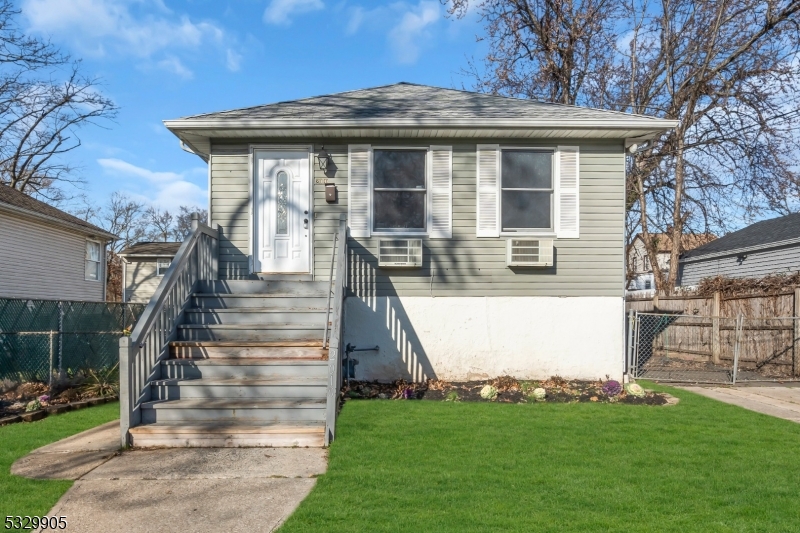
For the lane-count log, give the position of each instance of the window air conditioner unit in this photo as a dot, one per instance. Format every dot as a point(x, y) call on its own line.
point(405, 253)
point(529, 252)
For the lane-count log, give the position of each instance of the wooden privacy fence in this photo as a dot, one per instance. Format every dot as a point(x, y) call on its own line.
point(770, 337)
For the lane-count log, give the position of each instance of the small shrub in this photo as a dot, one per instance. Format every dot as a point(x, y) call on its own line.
point(103, 383)
point(635, 390)
point(408, 393)
point(7, 385)
point(452, 396)
point(539, 394)
point(611, 388)
point(33, 405)
point(488, 392)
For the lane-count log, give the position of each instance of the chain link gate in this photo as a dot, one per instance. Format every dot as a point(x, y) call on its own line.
point(40, 338)
point(676, 347)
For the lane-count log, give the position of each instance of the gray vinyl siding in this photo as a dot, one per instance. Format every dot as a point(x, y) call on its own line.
point(141, 280)
point(464, 265)
point(44, 262)
point(781, 260)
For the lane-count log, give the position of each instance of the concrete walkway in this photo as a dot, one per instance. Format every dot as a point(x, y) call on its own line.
point(177, 489)
point(779, 401)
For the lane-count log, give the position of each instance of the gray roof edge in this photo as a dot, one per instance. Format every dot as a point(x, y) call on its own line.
point(737, 251)
point(94, 230)
point(637, 122)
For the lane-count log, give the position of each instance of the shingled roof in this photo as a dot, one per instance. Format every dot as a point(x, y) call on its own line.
point(22, 203)
point(761, 235)
point(422, 102)
point(412, 111)
point(152, 249)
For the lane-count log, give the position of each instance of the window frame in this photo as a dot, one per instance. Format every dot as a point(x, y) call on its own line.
point(99, 262)
point(159, 272)
point(554, 170)
point(400, 232)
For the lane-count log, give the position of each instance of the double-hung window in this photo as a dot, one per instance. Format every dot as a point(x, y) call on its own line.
point(527, 190)
point(399, 190)
point(92, 263)
point(161, 266)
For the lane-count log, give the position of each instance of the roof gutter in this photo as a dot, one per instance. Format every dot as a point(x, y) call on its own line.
point(738, 251)
point(57, 221)
point(645, 124)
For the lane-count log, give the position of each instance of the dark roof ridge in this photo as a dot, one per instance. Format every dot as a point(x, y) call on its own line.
point(460, 91)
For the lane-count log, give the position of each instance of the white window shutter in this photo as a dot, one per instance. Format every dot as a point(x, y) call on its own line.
point(359, 185)
point(488, 215)
point(440, 213)
point(567, 199)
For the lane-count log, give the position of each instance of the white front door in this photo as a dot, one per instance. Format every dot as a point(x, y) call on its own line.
point(281, 209)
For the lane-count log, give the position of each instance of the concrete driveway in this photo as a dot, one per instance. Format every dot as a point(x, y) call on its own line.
point(177, 489)
point(782, 401)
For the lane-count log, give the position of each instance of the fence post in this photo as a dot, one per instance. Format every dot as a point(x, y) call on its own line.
point(629, 355)
point(125, 402)
point(60, 336)
point(716, 340)
point(796, 334)
point(52, 354)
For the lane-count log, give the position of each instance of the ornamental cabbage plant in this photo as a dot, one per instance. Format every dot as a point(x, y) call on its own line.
point(488, 393)
point(539, 394)
point(635, 389)
point(611, 388)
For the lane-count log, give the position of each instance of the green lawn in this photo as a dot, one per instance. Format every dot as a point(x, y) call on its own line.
point(21, 496)
point(433, 466)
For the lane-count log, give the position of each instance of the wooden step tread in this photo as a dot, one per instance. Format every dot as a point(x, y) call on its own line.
point(247, 344)
point(235, 403)
point(283, 294)
point(254, 381)
point(248, 361)
point(256, 310)
point(260, 326)
point(223, 428)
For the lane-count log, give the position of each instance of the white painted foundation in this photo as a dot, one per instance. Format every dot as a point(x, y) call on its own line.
point(475, 338)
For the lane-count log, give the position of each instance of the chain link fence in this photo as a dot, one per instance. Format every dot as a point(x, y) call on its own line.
point(40, 338)
point(702, 349)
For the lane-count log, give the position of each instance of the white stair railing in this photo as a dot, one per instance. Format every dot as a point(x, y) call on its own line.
point(335, 344)
point(140, 354)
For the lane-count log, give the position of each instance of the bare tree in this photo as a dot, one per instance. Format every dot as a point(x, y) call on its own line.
point(726, 70)
point(183, 221)
point(160, 224)
point(44, 101)
point(548, 50)
point(124, 218)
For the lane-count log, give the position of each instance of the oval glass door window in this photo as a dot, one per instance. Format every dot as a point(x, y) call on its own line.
point(282, 226)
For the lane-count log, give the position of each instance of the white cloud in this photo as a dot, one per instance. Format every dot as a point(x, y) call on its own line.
point(166, 190)
point(281, 11)
point(356, 19)
point(233, 60)
point(407, 36)
point(121, 28)
point(173, 64)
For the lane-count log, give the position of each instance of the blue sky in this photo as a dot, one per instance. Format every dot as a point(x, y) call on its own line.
point(162, 59)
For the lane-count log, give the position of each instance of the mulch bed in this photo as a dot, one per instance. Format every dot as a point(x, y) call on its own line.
point(14, 401)
point(509, 390)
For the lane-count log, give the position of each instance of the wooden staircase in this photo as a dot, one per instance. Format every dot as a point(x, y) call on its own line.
point(247, 369)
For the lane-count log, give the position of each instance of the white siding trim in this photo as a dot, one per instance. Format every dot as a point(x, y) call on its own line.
point(440, 192)
point(487, 223)
point(359, 189)
point(567, 220)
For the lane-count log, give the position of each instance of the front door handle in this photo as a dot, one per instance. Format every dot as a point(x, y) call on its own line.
point(305, 223)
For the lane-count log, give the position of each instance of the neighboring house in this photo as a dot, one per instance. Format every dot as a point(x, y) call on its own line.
point(467, 176)
point(143, 267)
point(48, 254)
point(766, 247)
point(640, 272)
